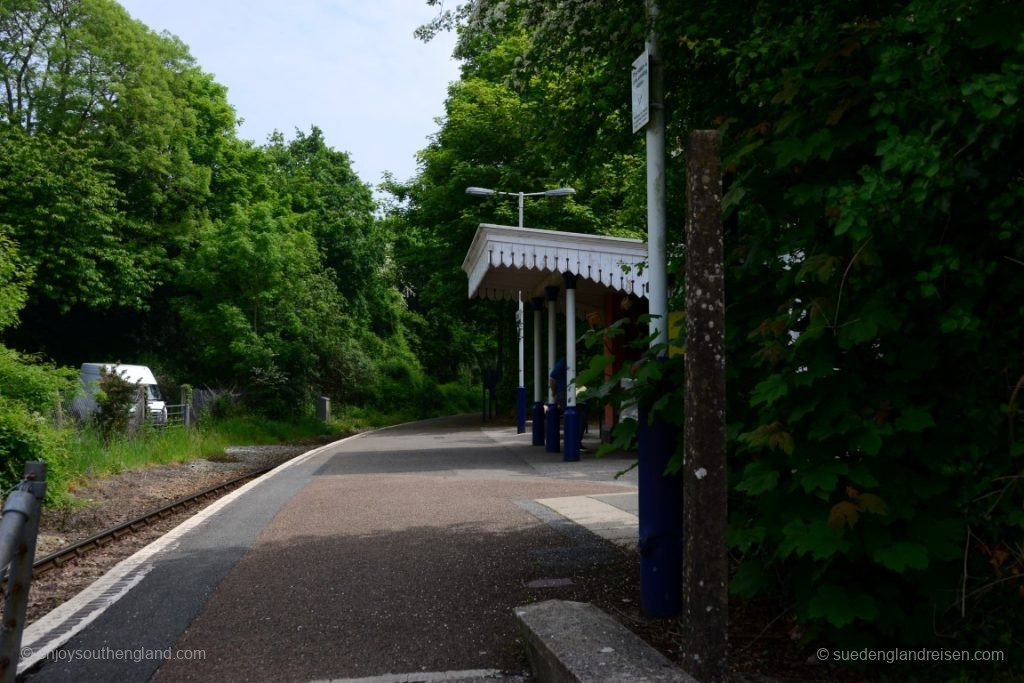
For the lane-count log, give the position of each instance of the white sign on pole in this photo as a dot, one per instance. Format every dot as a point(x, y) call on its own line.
point(641, 92)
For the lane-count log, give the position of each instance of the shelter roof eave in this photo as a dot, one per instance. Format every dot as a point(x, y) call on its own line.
point(503, 261)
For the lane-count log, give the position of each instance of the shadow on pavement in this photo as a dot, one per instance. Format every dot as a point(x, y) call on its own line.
point(423, 598)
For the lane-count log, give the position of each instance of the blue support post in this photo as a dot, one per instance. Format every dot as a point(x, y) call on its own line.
point(538, 424)
point(661, 519)
point(572, 434)
point(521, 387)
point(520, 410)
point(551, 421)
point(537, 303)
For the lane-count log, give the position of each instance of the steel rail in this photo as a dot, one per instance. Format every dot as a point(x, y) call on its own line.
point(60, 557)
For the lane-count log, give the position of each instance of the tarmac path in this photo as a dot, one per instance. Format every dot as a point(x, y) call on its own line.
point(403, 550)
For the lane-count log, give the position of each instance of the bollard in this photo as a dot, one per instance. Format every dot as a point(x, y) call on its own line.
point(23, 507)
point(323, 409)
point(551, 426)
point(538, 424)
point(572, 434)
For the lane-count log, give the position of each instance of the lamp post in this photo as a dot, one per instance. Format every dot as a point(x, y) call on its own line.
point(487, 192)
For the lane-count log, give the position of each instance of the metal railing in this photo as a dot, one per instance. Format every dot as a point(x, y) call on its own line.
point(19, 527)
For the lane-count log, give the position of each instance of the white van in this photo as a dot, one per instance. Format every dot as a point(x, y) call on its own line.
point(135, 374)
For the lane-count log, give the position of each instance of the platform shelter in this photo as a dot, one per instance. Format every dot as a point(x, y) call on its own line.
point(563, 272)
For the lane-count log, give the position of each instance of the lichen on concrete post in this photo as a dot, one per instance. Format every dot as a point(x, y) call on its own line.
point(705, 489)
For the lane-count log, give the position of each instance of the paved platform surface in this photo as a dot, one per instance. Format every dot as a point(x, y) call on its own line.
point(393, 556)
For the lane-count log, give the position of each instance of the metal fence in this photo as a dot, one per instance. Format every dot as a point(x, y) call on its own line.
point(19, 528)
point(194, 405)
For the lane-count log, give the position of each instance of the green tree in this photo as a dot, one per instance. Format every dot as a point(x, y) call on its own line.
point(874, 246)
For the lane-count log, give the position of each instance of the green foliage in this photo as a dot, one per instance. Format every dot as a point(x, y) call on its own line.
point(14, 279)
point(116, 401)
point(24, 436)
point(872, 157)
point(33, 383)
point(29, 391)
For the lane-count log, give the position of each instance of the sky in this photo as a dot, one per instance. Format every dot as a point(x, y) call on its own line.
point(351, 67)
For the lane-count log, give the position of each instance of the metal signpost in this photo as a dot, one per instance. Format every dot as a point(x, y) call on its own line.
point(660, 495)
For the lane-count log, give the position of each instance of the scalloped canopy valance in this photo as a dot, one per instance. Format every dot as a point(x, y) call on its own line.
point(503, 261)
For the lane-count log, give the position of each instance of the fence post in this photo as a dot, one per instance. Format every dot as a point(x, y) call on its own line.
point(186, 403)
point(58, 412)
point(20, 575)
point(141, 412)
point(323, 409)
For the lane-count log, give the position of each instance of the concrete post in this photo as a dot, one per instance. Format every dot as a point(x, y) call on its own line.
point(538, 374)
point(323, 409)
point(551, 421)
point(705, 494)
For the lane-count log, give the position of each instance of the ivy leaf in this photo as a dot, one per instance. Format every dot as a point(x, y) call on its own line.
point(815, 538)
point(857, 331)
point(862, 476)
point(840, 607)
point(867, 440)
point(822, 266)
point(822, 477)
point(749, 579)
point(742, 539)
point(844, 513)
point(869, 502)
point(902, 556)
point(771, 435)
point(915, 419)
point(769, 391)
point(758, 477)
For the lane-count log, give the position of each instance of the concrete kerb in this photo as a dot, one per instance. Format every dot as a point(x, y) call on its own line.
point(575, 642)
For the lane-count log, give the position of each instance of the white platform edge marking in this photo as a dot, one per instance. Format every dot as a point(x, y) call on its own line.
point(607, 521)
point(38, 631)
point(418, 677)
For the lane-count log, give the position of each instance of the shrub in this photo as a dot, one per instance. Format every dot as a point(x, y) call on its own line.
point(24, 436)
point(116, 400)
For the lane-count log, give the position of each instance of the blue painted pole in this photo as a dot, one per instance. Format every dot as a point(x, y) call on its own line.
point(661, 520)
point(520, 410)
point(538, 423)
point(551, 421)
point(521, 387)
point(572, 434)
point(537, 303)
point(661, 559)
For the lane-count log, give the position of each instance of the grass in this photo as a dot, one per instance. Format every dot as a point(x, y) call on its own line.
point(88, 457)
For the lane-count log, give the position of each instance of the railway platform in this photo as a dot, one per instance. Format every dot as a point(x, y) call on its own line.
point(395, 555)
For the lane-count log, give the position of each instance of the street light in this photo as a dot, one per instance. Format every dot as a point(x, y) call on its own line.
point(487, 192)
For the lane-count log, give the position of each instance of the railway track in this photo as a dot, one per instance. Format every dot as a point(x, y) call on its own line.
point(57, 559)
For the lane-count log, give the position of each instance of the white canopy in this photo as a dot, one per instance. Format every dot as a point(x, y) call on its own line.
point(503, 261)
